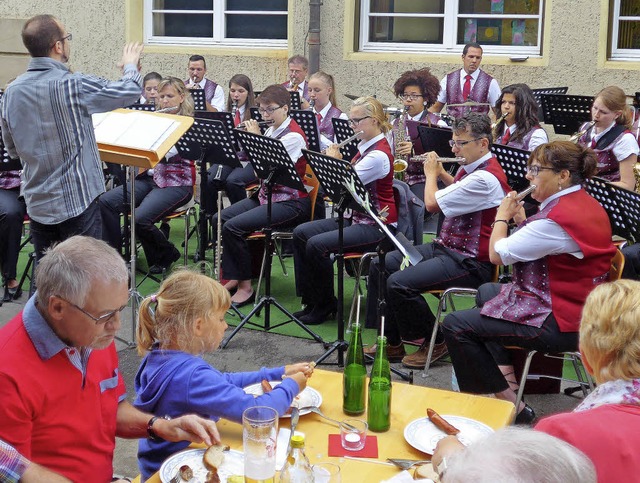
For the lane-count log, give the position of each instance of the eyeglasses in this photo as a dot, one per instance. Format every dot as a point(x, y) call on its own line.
point(270, 110)
point(357, 120)
point(103, 319)
point(535, 169)
point(409, 97)
point(460, 144)
point(66, 37)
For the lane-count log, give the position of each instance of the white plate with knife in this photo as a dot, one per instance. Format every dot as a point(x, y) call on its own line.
point(423, 435)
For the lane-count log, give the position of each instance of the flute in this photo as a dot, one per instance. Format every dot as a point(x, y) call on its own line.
point(268, 122)
point(524, 193)
point(167, 110)
point(452, 160)
point(349, 139)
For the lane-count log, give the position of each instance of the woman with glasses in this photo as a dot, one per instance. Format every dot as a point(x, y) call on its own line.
point(558, 256)
point(610, 137)
point(290, 207)
point(518, 125)
point(158, 191)
point(322, 94)
point(418, 90)
point(314, 242)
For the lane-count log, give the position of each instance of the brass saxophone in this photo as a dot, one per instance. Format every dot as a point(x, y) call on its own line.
point(579, 134)
point(494, 126)
point(400, 163)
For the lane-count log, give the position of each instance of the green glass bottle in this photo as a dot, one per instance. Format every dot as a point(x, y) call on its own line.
point(379, 407)
point(354, 378)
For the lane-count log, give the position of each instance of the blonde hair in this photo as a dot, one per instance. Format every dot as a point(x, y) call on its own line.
point(615, 99)
point(168, 316)
point(374, 109)
point(610, 331)
point(187, 108)
point(327, 79)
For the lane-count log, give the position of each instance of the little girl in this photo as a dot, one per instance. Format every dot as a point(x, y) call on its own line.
point(184, 320)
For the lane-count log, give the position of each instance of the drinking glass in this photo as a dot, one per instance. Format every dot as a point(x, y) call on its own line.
point(353, 434)
point(326, 473)
point(259, 434)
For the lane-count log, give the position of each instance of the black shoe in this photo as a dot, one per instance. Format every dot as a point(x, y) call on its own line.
point(247, 301)
point(526, 417)
point(320, 313)
point(161, 266)
point(307, 310)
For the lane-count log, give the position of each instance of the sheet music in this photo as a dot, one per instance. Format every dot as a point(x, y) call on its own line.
point(134, 130)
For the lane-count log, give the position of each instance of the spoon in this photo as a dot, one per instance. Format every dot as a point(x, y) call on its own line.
point(295, 416)
point(315, 409)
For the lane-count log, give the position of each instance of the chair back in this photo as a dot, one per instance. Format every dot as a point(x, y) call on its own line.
point(617, 266)
point(311, 181)
point(410, 211)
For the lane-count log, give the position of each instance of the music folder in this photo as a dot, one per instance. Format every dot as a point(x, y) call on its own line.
point(137, 138)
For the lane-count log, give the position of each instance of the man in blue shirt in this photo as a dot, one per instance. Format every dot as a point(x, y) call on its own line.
point(46, 122)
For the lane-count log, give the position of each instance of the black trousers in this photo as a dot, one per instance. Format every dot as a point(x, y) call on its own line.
point(631, 262)
point(313, 243)
point(232, 180)
point(476, 344)
point(408, 314)
point(247, 216)
point(87, 223)
point(12, 211)
point(152, 204)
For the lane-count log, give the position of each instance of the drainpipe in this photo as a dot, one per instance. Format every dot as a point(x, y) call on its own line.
point(313, 36)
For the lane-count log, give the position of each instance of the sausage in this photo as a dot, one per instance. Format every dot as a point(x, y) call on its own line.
point(266, 387)
point(441, 424)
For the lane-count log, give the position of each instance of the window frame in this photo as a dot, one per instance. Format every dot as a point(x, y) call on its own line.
point(450, 26)
point(616, 52)
point(219, 39)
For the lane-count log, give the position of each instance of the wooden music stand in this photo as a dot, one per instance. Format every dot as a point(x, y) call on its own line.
point(136, 139)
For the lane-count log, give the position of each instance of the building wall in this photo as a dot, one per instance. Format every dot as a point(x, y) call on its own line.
point(574, 49)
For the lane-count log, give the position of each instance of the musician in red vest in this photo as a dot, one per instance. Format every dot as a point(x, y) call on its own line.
point(314, 242)
point(290, 206)
point(558, 255)
point(470, 83)
point(459, 257)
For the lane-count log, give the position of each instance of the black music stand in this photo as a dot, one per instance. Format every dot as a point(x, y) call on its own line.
point(142, 107)
point(296, 102)
point(204, 139)
point(538, 93)
point(622, 206)
point(343, 131)
point(226, 119)
point(273, 165)
point(437, 139)
point(514, 164)
point(255, 115)
point(566, 113)
point(199, 100)
point(308, 122)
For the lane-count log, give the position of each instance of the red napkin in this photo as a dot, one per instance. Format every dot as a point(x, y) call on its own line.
point(370, 449)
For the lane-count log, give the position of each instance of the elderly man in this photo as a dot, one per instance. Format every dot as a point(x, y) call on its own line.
point(213, 93)
point(46, 122)
point(459, 257)
point(298, 68)
point(63, 397)
point(470, 83)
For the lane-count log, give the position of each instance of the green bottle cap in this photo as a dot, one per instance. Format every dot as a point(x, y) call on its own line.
point(297, 441)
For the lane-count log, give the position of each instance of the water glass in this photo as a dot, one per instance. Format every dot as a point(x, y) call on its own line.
point(259, 434)
point(353, 434)
point(326, 473)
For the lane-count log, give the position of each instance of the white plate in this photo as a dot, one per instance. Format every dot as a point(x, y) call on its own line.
point(308, 397)
point(423, 435)
point(233, 464)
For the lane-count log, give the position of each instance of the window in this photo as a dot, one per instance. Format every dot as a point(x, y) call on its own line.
point(511, 27)
point(625, 30)
point(248, 23)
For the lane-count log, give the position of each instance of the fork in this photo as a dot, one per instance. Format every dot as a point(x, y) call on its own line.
point(177, 478)
point(406, 464)
point(315, 409)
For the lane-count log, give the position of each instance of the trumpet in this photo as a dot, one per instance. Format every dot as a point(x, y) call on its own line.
point(268, 122)
point(400, 166)
point(579, 134)
point(168, 110)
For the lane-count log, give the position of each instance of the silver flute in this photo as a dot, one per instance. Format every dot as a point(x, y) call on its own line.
point(168, 110)
point(423, 158)
point(525, 192)
point(349, 139)
point(268, 122)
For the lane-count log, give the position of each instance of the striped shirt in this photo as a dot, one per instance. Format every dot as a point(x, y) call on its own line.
point(46, 122)
point(12, 463)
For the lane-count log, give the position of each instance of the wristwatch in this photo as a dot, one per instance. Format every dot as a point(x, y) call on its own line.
point(442, 467)
point(152, 434)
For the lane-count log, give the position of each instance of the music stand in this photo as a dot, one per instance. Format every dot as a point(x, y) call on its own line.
point(566, 113)
point(296, 102)
point(226, 119)
point(308, 122)
point(199, 100)
point(538, 93)
point(272, 164)
point(142, 107)
point(514, 164)
point(343, 130)
point(622, 206)
point(255, 115)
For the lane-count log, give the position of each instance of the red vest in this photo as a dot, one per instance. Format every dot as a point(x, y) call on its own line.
point(469, 234)
point(47, 414)
point(559, 283)
point(380, 190)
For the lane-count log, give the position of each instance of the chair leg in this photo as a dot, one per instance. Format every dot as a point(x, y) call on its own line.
point(523, 381)
point(186, 237)
point(434, 333)
point(277, 245)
